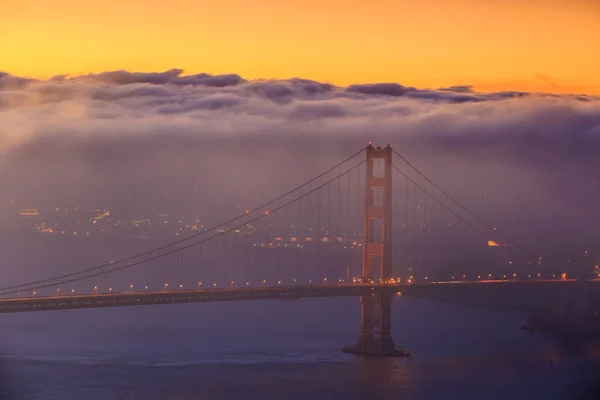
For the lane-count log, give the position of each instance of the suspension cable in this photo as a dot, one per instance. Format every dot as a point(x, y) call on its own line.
point(181, 241)
point(481, 220)
point(183, 247)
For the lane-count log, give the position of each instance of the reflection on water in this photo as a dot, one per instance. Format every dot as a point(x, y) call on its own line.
point(252, 350)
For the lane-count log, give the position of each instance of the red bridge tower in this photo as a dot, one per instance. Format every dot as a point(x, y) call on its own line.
point(375, 333)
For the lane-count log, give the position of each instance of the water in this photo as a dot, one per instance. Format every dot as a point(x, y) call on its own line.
point(279, 350)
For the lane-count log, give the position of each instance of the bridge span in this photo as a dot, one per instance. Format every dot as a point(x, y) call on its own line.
point(530, 296)
point(193, 296)
point(342, 227)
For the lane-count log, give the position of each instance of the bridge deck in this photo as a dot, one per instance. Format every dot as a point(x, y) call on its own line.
point(186, 296)
point(474, 292)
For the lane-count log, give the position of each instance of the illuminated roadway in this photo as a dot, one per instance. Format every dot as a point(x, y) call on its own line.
point(485, 292)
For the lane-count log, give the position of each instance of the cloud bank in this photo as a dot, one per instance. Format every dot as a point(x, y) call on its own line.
point(122, 105)
point(142, 129)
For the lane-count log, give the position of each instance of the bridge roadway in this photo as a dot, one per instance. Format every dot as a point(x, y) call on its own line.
point(525, 295)
point(189, 296)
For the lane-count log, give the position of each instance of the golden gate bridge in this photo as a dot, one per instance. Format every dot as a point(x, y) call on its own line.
point(371, 226)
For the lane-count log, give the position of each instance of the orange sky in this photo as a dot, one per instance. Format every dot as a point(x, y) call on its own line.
point(545, 45)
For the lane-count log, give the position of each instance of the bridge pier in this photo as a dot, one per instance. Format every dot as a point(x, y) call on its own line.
point(376, 316)
point(375, 336)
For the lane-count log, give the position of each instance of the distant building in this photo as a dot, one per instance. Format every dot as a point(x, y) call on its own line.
point(29, 212)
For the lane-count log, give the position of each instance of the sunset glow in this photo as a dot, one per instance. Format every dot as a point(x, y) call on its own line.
point(529, 45)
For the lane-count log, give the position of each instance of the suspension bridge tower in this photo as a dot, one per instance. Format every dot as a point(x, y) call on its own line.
point(375, 333)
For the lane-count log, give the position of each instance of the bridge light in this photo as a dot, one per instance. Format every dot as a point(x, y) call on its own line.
point(279, 282)
point(310, 281)
point(214, 285)
point(180, 286)
point(478, 276)
point(110, 289)
point(131, 286)
point(489, 275)
point(146, 287)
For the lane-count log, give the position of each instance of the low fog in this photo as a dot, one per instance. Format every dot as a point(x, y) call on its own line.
point(200, 145)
